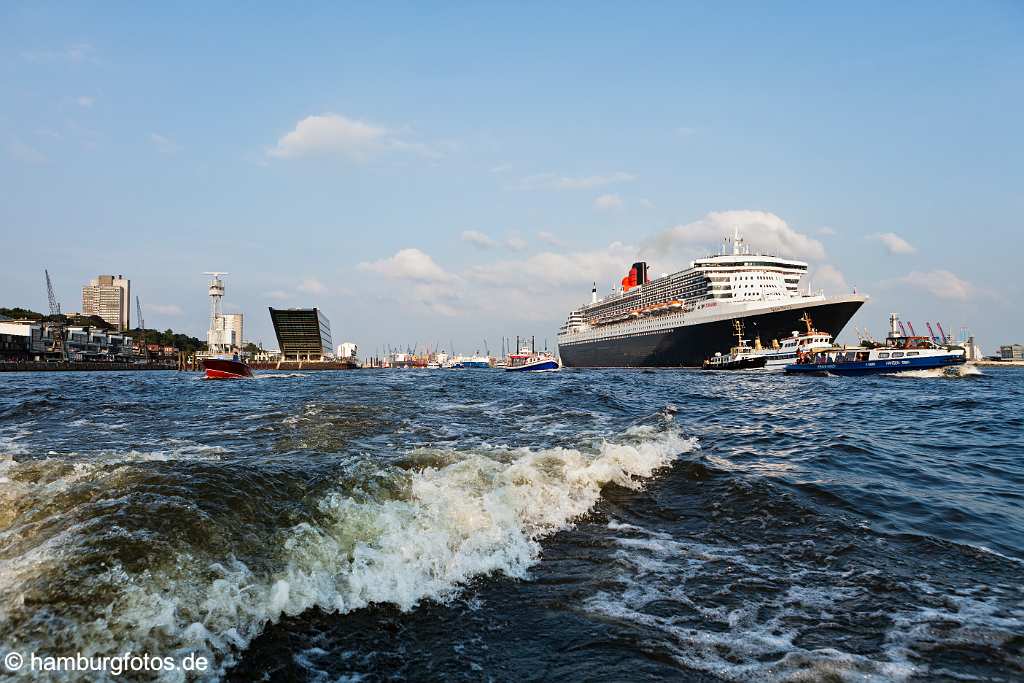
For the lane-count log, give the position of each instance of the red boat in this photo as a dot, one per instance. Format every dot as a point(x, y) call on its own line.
point(226, 368)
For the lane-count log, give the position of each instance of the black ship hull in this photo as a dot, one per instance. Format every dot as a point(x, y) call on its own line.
point(691, 345)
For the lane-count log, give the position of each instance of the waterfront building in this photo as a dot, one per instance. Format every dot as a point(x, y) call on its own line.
point(302, 333)
point(347, 350)
point(16, 339)
point(109, 297)
point(1011, 352)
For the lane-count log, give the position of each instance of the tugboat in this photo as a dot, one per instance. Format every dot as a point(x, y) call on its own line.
point(226, 368)
point(743, 356)
point(529, 361)
point(899, 353)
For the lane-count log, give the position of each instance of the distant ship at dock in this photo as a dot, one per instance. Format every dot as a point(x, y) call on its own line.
point(682, 319)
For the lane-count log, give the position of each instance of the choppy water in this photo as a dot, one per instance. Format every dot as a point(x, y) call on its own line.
point(478, 525)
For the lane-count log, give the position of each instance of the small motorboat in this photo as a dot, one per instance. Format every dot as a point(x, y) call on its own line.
point(226, 368)
point(528, 361)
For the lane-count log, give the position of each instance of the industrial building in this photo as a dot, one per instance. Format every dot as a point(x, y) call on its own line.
point(1011, 352)
point(302, 333)
point(109, 297)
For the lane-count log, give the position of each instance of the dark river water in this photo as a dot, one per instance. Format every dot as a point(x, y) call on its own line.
point(478, 525)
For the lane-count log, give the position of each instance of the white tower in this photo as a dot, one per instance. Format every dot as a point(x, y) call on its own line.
point(894, 321)
point(216, 339)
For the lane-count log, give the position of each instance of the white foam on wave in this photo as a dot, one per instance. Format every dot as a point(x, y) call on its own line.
point(761, 638)
point(952, 372)
point(484, 513)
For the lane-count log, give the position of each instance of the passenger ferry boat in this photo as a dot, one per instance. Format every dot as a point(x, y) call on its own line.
point(743, 356)
point(528, 361)
point(898, 354)
point(684, 318)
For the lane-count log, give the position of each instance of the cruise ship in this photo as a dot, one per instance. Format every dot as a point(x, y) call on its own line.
point(681, 319)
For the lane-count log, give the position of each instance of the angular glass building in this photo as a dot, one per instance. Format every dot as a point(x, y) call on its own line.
point(302, 333)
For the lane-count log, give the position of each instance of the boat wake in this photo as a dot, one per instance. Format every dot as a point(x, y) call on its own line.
point(951, 372)
point(393, 534)
point(277, 375)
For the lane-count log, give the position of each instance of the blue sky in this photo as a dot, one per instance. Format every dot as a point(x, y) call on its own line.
point(435, 172)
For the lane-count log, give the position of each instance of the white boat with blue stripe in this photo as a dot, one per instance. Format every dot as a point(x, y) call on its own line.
point(528, 361)
point(899, 353)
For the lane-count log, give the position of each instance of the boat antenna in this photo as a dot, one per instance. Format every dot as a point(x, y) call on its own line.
point(806, 320)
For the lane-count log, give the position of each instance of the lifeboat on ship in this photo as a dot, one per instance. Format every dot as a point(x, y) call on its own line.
point(226, 368)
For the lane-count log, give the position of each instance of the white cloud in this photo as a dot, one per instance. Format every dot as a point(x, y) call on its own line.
point(85, 101)
point(548, 270)
point(516, 243)
point(829, 278)
point(550, 238)
point(332, 134)
point(608, 202)
point(163, 144)
point(483, 241)
point(826, 231)
point(501, 168)
point(646, 203)
point(478, 239)
point(685, 131)
point(311, 286)
point(26, 154)
point(762, 230)
point(552, 181)
point(277, 295)
point(409, 264)
point(540, 286)
point(893, 242)
point(75, 53)
point(940, 283)
point(165, 309)
point(424, 282)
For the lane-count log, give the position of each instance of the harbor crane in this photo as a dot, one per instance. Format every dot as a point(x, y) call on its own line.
point(57, 322)
point(143, 349)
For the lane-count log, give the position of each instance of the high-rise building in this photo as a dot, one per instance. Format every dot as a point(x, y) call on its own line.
point(109, 297)
point(233, 322)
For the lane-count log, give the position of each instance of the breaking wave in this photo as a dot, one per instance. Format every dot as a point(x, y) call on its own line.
point(400, 536)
